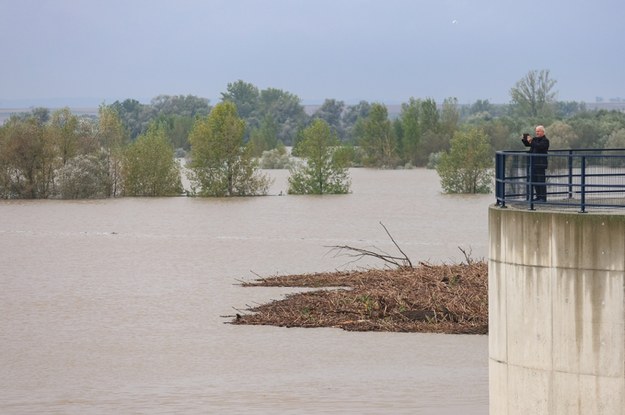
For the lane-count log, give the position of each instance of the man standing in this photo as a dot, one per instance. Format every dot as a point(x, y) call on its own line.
point(538, 145)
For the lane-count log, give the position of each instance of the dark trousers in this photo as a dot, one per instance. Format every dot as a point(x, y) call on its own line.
point(538, 178)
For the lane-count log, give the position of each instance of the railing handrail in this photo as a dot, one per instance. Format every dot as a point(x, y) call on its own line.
point(580, 181)
point(577, 152)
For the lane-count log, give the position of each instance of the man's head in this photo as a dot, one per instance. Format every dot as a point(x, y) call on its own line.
point(540, 131)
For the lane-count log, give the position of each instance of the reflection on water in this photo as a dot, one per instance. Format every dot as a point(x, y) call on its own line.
point(116, 306)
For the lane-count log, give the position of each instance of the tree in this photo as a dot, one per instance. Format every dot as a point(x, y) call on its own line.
point(352, 120)
point(112, 136)
point(286, 110)
point(134, 115)
point(377, 139)
point(481, 106)
point(411, 130)
point(264, 138)
point(85, 176)
point(429, 116)
point(450, 117)
point(321, 173)
point(149, 166)
point(562, 136)
point(244, 95)
point(177, 129)
point(331, 111)
point(62, 131)
point(220, 164)
point(467, 166)
point(179, 105)
point(25, 163)
point(433, 138)
point(533, 94)
point(616, 139)
point(502, 135)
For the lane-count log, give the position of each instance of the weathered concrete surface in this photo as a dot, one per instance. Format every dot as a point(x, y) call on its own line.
point(556, 312)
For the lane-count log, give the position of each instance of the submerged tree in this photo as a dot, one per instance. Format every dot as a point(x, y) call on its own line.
point(322, 172)
point(149, 166)
point(467, 166)
point(377, 139)
point(411, 130)
point(26, 169)
point(221, 165)
point(112, 137)
point(85, 176)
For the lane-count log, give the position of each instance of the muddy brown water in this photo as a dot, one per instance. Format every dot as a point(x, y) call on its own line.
point(117, 306)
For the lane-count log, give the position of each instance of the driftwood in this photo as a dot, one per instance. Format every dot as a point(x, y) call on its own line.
point(427, 298)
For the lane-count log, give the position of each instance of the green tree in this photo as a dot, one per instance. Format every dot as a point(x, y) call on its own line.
point(561, 136)
point(85, 176)
point(149, 166)
point(220, 163)
point(482, 106)
point(352, 120)
point(594, 128)
point(26, 169)
point(467, 166)
point(322, 173)
point(502, 136)
point(277, 158)
point(616, 139)
point(533, 95)
point(286, 110)
point(134, 115)
point(429, 118)
point(411, 130)
point(331, 111)
point(377, 139)
point(112, 136)
point(450, 117)
point(244, 95)
point(433, 138)
point(177, 128)
point(179, 105)
point(565, 109)
point(63, 133)
point(264, 137)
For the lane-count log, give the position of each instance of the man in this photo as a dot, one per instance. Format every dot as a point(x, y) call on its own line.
point(538, 145)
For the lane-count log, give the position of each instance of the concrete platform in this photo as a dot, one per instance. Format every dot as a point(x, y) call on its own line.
point(556, 311)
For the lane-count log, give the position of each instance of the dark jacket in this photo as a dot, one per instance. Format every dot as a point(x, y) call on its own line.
point(539, 145)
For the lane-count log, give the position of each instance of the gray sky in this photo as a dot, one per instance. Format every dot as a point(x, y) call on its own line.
point(376, 50)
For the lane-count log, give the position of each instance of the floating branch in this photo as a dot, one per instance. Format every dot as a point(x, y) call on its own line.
point(358, 253)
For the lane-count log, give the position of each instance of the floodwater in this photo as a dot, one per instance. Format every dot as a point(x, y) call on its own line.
point(118, 306)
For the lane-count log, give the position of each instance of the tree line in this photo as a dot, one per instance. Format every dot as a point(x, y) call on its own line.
point(134, 149)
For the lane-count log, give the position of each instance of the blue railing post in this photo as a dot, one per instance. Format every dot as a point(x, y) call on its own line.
point(583, 185)
point(570, 165)
point(500, 177)
point(530, 186)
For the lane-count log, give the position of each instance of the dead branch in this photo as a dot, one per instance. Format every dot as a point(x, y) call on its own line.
point(406, 259)
point(467, 256)
point(359, 253)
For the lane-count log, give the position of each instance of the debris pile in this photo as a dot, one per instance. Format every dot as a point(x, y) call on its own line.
point(426, 298)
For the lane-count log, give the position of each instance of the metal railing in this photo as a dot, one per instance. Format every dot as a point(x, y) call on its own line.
point(574, 179)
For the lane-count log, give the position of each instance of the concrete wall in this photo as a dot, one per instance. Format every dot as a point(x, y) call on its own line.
point(556, 312)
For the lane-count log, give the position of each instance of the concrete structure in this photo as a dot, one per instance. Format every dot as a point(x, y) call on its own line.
point(556, 312)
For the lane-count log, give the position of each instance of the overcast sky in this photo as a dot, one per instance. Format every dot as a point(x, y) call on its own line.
point(375, 50)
